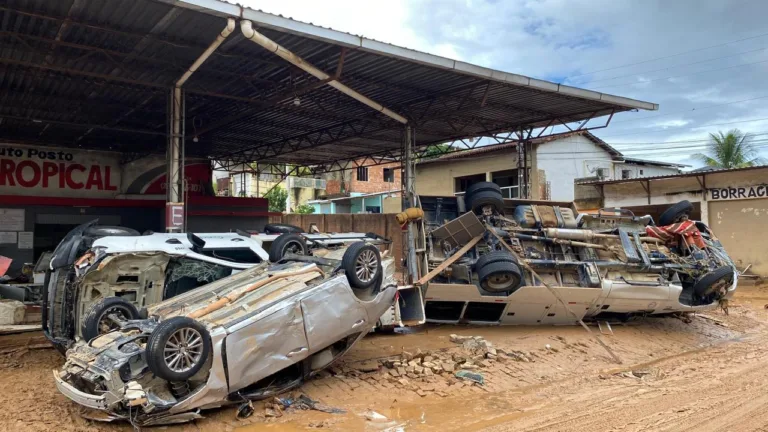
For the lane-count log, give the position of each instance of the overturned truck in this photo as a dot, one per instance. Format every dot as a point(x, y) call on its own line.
point(612, 264)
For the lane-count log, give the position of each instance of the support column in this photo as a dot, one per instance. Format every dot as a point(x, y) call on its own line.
point(409, 200)
point(535, 179)
point(174, 214)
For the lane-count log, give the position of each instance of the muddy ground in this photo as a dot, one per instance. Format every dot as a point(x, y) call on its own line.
point(707, 374)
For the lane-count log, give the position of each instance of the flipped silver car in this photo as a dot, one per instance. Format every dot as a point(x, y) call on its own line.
point(246, 337)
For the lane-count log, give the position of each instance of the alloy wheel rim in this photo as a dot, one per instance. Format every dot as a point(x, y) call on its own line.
point(366, 266)
point(183, 350)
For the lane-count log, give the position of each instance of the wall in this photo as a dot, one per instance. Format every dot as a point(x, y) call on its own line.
point(737, 224)
point(382, 224)
point(567, 159)
point(376, 181)
point(374, 184)
point(437, 178)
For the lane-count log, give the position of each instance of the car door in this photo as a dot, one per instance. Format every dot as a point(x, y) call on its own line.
point(259, 348)
point(331, 313)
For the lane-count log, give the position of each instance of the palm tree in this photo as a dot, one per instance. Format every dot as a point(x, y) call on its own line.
point(734, 149)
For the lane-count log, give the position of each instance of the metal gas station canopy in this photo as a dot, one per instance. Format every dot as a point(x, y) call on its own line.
point(98, 74)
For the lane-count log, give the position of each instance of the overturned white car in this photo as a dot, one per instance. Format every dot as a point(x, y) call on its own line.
point(100, 274)
point(245, 337)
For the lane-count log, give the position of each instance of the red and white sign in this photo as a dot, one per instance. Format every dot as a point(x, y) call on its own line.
point(57, 172)
point(68, 173)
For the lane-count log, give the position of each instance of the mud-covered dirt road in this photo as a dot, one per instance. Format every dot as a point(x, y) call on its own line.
point(705, 375)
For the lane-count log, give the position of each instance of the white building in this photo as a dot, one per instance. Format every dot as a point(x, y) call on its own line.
point(581, 155)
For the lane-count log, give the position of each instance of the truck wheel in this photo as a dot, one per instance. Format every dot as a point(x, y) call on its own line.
point(97, 321)
point(178, 348)
point(478, 200)
point(482, 187)
point(675, 213)
point(287, 243)
point(362, 265)
point(279, 228)
point(502, 276)
point(713, 281)
point(493, 257)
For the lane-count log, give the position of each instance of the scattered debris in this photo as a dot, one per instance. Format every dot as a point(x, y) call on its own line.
point(641, 373)
point(471, 376)
point(245, 410)
point(374, 416)
point(713, 319)
point(367, 366)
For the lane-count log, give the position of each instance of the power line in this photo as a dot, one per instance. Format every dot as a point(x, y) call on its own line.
point(668, 56)
point(680, 76)
point(691, 109)
point(677, 142)
point(699, 126)
point(676, 66)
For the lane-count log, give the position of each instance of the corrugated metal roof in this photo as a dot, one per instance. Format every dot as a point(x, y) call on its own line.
point(97, 75)
point(693, 173)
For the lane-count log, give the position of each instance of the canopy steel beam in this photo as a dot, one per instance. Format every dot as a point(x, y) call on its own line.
point(272, 46)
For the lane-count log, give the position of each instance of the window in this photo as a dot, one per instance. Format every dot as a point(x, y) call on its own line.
point(389, 175)
point(641, 172)
point(362, 173)
point(372, 209)
point(626, 174)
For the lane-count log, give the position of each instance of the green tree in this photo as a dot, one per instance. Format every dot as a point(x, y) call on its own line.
point(436, 150)
point(305, 209)
point(277, 198)
point(734, 149)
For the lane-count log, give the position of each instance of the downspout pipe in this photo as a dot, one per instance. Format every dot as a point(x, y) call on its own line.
point(176, 153)
point(247, 28)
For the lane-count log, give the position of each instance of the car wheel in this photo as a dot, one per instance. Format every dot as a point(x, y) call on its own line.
point(494, 257)
point(675, 213)
point(279, 228)
point(362, 265)
point(178, 348)
point(285, 244)
point(483, 187)
point(501, 276)
point(721, 277)
point(480, 199)
point(98, 322)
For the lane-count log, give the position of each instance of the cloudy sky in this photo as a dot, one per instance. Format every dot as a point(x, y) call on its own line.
point(705, 62)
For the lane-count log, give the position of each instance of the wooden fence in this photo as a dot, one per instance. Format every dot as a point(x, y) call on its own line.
point(384, 225)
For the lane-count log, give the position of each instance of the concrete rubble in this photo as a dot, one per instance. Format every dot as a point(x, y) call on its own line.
point(434, 372)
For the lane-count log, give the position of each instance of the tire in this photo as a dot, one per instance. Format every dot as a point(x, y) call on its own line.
point(287, 243)
point(107, 231)
point(483, 187)
point(706, 286)
point(164, 359)
point(97, 323)
point(502, 276)
point(279, 228)
point(478, 200)
point(673, 214)
point(494, 257)
point(362, 265)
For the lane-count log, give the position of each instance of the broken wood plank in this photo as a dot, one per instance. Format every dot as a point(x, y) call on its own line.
point(20, 328)
point(427, 277)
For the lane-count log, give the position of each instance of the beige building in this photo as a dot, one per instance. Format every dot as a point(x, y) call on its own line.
point(734, 203)
point(553, 164)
